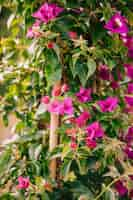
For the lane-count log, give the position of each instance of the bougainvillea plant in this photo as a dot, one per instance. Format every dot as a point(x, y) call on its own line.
point(67, 75)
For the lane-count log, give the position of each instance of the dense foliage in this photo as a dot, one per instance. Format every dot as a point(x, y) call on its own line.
point(86, 46)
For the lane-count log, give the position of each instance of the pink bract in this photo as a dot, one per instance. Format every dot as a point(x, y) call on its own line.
point(117, 24)
point(130, 88)
point(31, 31)
point(129, 70)
point(84, 95)
point(54, 107)
point(61, 107)
point(109, 104)
point(94, 131)
point(47, 12)
point(72, 34)
point(104, 72)
point(23, 182)
point(67, 107)
point(129, 100)
point(128, 41)
point(121, 189)
point(91, 143)
point(81, 120)
point(45, 99)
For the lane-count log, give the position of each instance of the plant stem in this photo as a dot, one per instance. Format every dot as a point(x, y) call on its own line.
point(108, 187)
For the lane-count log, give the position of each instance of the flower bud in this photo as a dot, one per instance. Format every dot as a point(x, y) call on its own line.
point(45, 99)
point(56, 91)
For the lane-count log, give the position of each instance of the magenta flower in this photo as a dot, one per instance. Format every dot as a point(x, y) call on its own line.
point(130, 53)
point(129, 135)
point(117, 24)
point(81, 120)
point(129, 152)
point(121, 189)
point(129, 100)
point(130, 88)
point(91, 143)
point(129, 70)
point(61, 107)
point(33, 31)
point(94, 131)
point(84, 95)
point(109, 104)
point(67, 106)
point(72, 34)
point(65, 88)
point(128, 41)
point(104, 72)
point(23, 182)
point(45, 99)
point(54, 107)
point(114, 84)
point(73, 145)
point(47, 12)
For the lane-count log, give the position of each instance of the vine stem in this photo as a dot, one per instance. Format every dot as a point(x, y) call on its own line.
point(108, 187)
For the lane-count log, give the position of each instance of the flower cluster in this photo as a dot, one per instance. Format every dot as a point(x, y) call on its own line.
point(47, 12)
point(118, 24)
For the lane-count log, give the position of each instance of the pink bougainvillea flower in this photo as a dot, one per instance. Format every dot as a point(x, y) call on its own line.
point(45, 99)
point(130, 53)
point(47, 12)
point(94, 131)
point(129, 135)
point(130, 88)
point(73, 145)
point(64, 88)
point(30, 33)
point(23, 182)
point(121, 189)
point(56, 91)
point(81, 120)
point(33, 31)
point(109, 104)
point(129, 70)
point(129, 100)
point(54, 107)
point(84, 95)
point(72, 34)
point(128, 109)
point(129, 152)
point(67, 107)
point(91, 143)
point(104, 72)
point(117, 24)
point(61, 107)
point(114, 84)
point(128, 41)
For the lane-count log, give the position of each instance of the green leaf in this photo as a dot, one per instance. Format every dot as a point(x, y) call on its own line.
point(110, 195)
point(82, 68)
point(53, 68)
point(10, 19)
point(83, 166)
point(4, 160)
point(91, 67)
point(65, 168)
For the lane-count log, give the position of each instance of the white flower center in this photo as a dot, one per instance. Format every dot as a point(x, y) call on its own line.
point(118, 22)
